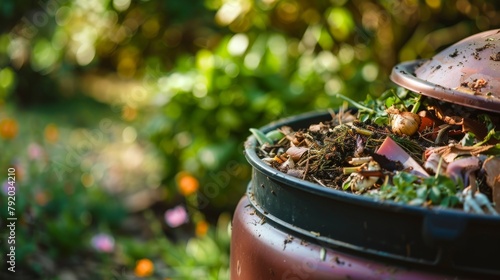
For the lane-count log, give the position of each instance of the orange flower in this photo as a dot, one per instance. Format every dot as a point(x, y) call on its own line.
point(41, 198)
point(129, 113)
point(51, 133)
point(187, 183)
point(8, 128)
point(144, 268)
point(201, 228)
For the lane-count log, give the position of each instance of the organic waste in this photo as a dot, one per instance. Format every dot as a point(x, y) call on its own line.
point(402, 147)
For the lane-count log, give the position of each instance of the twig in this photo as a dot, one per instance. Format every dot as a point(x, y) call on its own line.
point(300, 163)
point(307, 167)
point(318, 181)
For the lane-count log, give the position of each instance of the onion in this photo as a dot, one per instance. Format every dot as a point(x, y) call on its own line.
point(405, 123)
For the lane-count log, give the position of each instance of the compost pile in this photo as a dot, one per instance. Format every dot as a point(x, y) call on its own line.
point(402, 147)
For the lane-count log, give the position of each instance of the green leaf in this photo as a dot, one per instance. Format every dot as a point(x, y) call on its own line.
point(453, 201)
point(390, 101)
point(468, 139)
point(404, 178)
point(449, 201)
point(435, 194)
point(275, 135)
point(445, 202)
point(402, 92)
point(346, 185)
point(261, 137)
point(364, 117)
point(491, 133)
point(381, 121)
point(422, 193)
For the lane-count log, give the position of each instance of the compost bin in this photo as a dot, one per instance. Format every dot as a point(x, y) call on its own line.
point(289, 228)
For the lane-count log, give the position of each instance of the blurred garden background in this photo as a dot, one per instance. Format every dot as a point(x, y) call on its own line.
point(125, 119)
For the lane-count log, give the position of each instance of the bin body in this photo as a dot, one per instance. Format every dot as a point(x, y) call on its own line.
point(259, 250)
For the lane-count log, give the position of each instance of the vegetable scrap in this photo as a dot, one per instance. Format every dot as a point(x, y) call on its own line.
point(401, 147)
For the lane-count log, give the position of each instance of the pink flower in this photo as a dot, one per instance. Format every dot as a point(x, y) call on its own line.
point(35, 151)
point(103, 243)
point(176, 216)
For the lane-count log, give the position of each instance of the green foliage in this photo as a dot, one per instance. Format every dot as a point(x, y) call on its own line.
point(204, 257)
point(409, 189)
point(58, 218)
point(374, 109)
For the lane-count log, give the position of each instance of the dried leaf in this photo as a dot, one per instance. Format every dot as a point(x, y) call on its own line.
point(296, 152)
point(321, 127)
point(295, 173)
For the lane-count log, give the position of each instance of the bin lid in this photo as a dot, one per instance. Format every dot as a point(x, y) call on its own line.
point(466, 73)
